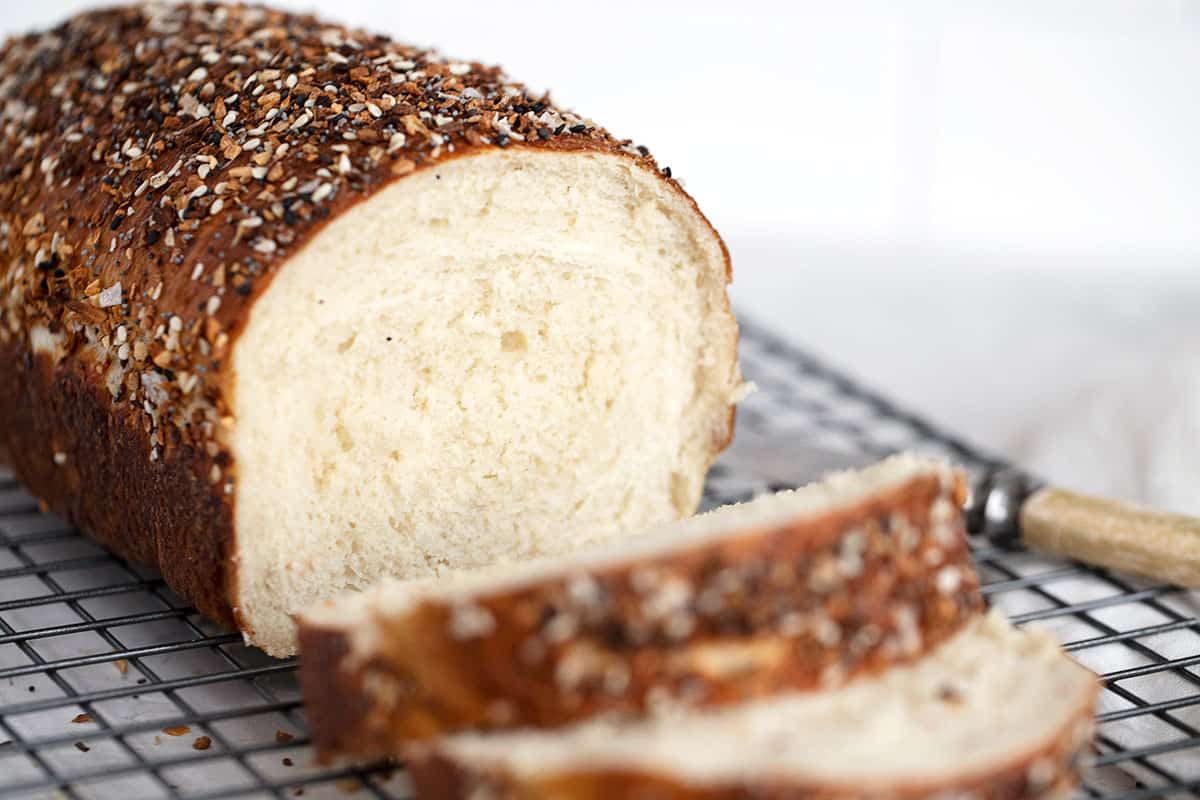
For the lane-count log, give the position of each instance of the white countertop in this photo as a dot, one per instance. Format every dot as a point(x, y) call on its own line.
point(1086, 374)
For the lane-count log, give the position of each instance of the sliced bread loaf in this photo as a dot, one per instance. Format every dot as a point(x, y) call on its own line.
point(993, 714)
point(790, 591)
point(286, 306)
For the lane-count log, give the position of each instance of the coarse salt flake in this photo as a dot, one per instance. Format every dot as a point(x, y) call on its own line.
point(111, 296)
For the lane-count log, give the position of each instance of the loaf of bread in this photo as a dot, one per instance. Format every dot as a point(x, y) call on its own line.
point(285, 307)
point(797, 590)
point(992, 714)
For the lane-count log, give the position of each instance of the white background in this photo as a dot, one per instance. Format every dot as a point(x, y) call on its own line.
point(990, 209)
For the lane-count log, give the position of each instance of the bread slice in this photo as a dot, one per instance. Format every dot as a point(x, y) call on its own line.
point(789, 591)
point(286, 306)
point(994, 713)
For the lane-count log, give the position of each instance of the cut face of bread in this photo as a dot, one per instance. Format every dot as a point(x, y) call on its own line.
point(994, 712)
point(796, 590)
point(506, 356)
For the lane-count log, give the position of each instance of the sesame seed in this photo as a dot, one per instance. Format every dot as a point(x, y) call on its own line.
point(560, 628)
point(265, 246)
point(948, 580)
point(471, 622)
point(828, 632)
point(583, 590)
point(323, 191)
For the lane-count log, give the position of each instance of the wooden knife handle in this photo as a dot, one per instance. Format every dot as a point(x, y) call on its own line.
point(1121, 536)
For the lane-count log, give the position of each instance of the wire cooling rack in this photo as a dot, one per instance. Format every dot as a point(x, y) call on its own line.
point(111, 686)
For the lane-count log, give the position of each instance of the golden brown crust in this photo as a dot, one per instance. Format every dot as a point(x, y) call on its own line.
point(105, 484)
point(1043, 773)
point(799, 606)
point(158, 165)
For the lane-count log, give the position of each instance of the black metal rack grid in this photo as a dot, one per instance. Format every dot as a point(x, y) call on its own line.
point(169, 705)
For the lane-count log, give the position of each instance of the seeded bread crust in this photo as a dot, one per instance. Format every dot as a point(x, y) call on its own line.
point(754, 612)
point(1048, 770)
point(158, 166)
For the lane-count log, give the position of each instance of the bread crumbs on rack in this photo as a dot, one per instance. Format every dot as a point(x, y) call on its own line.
point(202, 743)
point(81, 747)
point(177, 730)
point(283, 737)
point(122, 665)
point(82, 718)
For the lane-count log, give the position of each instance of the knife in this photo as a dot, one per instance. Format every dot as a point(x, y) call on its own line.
point(1006, 506)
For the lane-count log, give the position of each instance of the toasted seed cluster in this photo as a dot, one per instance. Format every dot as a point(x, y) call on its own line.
point(158, 163)
point(836, 606)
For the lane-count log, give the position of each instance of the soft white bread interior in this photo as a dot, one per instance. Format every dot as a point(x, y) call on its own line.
point(508, 355)
point(993, 706)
